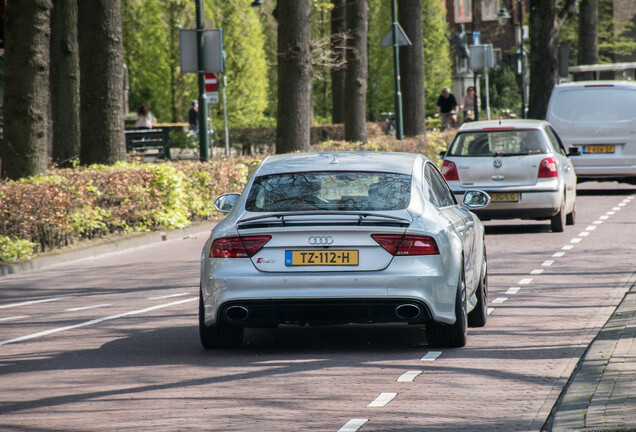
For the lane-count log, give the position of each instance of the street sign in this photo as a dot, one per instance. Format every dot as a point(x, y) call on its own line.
point(214, 56)
point(211, 82)
point(212, 97)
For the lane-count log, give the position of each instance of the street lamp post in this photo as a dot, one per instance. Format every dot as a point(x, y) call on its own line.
point(503, 17)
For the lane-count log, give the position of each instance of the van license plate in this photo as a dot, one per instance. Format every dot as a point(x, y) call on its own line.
point(598, 149)
point(321, 258)
point(504, 196)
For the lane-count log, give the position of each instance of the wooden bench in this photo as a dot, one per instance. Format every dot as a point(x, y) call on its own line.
point(149, 139)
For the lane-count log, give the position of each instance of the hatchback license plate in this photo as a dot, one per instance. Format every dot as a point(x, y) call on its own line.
point(504, 196)
point(598, 149)
point(321, 258)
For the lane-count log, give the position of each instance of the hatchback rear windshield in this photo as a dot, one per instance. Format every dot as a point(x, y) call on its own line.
point(594, 104)
point(346, 191)
point(508, 142)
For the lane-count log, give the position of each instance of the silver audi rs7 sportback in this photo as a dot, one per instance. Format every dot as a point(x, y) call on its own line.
point(345, 237)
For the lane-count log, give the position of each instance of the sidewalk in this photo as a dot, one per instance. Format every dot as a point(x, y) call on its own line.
point(601, 394)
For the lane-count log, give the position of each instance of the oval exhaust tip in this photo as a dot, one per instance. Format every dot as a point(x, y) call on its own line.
point(408, 311)
point(236, 313)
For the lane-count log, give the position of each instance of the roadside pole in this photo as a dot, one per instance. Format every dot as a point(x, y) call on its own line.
point(204, 150)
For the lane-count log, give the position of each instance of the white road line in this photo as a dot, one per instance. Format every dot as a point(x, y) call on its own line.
point(87, 307)
point(610, 213)
point(597, 222)
point(621, 204)
point(95, 321)
point(547, 263)
point(558, 254)
point(353, 425)
point(513, 290)
point(27, 303)
point(168, 296)
point(431, 356)
point(382, 400)
point(409, 376)
point(490, 310)
point(567, 247)
point(591, 228)
point(576, 240)
point(499, 300)
point(604, 217)
point(536, 271)
point(13, 318)
point(525, 281)
point(584, 233)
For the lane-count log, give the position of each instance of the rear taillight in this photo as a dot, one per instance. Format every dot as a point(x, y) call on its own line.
point(237, 247)
point(398, 245)
point(449, 170)
point(548, 168)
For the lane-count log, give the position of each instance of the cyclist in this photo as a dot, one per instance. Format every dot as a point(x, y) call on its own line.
point(446, 109)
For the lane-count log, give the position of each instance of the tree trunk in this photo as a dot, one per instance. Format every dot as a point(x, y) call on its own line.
point(294, 75)
point(412, 68)
point(588, 35)
point(338, 73)
point(355, 115)
point(101, 87)
point(65, 82)
point(546, 19)
point(26, 94)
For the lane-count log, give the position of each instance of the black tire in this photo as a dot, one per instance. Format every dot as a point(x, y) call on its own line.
point(570, 218)
point(478, 316)
point(557, 222)
point(219, 334)
point(455, 335)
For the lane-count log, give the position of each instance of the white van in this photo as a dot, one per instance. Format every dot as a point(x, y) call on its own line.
point(598, 118)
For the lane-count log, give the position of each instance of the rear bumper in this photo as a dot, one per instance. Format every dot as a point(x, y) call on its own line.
point(531, 205)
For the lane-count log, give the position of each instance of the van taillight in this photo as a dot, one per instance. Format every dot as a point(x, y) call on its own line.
point(548, 168)
point(398, 245)
point(237, 247)
point(449, 170)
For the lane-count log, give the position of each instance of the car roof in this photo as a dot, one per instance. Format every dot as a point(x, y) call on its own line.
point(597, 84)
point(394, 162)
point(503, 124)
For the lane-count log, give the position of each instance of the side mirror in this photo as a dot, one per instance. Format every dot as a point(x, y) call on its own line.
point(475, 199)
point(226, 202)
point(574, 151)
point(441, 155)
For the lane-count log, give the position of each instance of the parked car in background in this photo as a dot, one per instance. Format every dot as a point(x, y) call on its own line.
point(521, 164)
point(598, 118)
point(345, 237)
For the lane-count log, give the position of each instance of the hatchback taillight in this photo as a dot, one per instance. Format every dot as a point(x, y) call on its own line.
point(398, 245)
point(449, 170)
point(548, 168)
point(237, 247)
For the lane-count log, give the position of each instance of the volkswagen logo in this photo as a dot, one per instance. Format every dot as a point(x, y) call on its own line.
point(496, 163)
point(320, 240)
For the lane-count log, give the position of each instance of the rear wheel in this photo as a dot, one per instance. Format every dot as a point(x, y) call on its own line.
point(478, 316)
point(455, 335)
point(557, 222)
point(219, 334)
point(570, 218)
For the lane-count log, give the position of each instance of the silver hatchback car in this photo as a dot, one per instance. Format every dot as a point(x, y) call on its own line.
point(521, 164)
point(345, 237)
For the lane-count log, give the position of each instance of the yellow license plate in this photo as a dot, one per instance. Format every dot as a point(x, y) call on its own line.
point(504, 196)
point(598, 149)
point(321, 258)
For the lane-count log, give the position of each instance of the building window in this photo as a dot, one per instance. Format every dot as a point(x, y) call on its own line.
point(489, 10)
point(463, 11)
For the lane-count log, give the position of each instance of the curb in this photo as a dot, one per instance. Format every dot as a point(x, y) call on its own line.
point(89, 251)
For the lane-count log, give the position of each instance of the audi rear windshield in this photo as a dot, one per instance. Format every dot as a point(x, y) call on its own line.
point(509, 142)
point(345, 191)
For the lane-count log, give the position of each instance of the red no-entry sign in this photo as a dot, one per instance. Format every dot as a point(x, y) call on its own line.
point(211, 83)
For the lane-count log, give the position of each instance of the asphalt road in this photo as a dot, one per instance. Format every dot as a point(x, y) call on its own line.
point(110, 343)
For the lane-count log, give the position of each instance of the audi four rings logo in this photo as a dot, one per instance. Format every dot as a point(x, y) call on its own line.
point(320, 240)
point(497, 163)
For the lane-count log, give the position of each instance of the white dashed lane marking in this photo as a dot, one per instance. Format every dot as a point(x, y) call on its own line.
point(490, 310)
point(431, 356)
point(409, 376)
point(513, 290)
point(584, 233)
point(382, 400)
point(32, 302)
point(168, 296)
point(547, 263)
point(87, 307)
point(591, 228)
point(536, 271)
point(576, 240)
point(558, 254)
point(14, 318)
point(525, 281)
point(500, 300)
point(353, 425)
